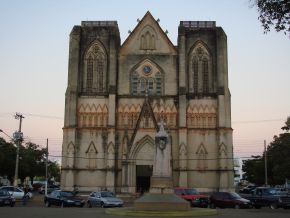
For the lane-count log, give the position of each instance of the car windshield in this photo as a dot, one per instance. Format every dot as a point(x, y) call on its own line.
point(235, 195)
point(3, 193)
point(107, 194)
point(191, 191)
point(66, 194)
point(271, 191)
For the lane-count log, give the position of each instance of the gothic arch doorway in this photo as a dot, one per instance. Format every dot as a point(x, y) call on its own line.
point(143, 154)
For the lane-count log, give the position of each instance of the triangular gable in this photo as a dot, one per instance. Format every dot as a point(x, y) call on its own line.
point(92, 148)
point(146, 108)
point(160, 41)
point(182, 149)
point(70, 148)
point(201, 150)
point(222, 149)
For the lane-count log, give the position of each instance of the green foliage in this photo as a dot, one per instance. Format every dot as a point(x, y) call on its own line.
point(31, 161)
point(274, 13)
point(254, 170)
point(278, 162)
point(7, 159)
point(287, 123)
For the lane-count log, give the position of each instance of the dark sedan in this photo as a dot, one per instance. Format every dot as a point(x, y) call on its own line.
point(6, 198)
point(63, 199)
point(228, 200)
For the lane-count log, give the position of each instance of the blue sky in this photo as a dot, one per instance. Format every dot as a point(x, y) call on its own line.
point(34, 43)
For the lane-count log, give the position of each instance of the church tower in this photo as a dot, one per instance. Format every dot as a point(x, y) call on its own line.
point(89, 129)
point(117, 94)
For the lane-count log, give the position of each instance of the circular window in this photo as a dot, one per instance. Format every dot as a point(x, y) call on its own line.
point(147, 69)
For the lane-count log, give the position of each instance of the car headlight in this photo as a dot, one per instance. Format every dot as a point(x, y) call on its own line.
point(69, 201)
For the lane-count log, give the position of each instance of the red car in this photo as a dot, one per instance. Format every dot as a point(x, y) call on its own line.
point(193, 196)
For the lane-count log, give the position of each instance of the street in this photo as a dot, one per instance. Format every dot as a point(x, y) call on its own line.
point(39, 211)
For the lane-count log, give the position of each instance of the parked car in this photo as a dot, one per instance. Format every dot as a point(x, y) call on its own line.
point(63, 199)
point(6, 198)
point(36, 186)
point(193, 196)
point(228, 200)
point(281, 191)
point(16, 192)
point(268, 197)
point(104, 199)
point(50, 188)
point(248, 189)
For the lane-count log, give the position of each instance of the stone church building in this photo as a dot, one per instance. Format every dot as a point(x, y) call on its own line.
point(118, 93)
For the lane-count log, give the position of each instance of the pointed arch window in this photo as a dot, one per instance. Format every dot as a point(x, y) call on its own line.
point(195, 74)
point(90, 65)
point(95, 69)
point(201, 75)
point(134, 83)
point(147, 40)
point(142, 86)
point(150, 86)
point(158, 83)
point(205, 75)
point(146, 79)
point(99, 71)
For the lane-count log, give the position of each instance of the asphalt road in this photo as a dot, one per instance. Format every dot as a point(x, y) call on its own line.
point(20, 211)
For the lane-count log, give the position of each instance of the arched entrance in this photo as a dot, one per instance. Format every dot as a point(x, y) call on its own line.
point(143, 154)
point(143, 175)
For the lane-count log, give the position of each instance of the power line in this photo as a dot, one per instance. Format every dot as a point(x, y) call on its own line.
point(61, 118)
point(258, 121)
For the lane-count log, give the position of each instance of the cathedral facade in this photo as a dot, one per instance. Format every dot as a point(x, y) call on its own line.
point(117, 94)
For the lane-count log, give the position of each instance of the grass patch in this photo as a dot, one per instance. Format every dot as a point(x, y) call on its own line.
point(196, 212)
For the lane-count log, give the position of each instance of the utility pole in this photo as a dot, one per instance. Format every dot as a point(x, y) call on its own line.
point(18, 136)
point(266, 173)
point(46, 171)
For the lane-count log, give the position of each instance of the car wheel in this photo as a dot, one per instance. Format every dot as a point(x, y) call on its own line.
point(47, 204)
point(12, 205)
point(102, 204)
point(273, 206)
point(89, 204)
point(212, 206)
point(237, 206)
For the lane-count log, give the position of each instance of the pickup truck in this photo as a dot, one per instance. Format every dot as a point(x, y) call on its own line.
point(268, 197)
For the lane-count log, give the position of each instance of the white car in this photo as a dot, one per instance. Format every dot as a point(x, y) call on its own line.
point(16, 192)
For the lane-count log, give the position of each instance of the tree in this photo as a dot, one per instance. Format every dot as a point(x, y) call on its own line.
point(274, 13)
point(54, 170)
point(287, 125)
point(7, 159)
point(32, 160)
point(278, 161)
point(254, 170)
